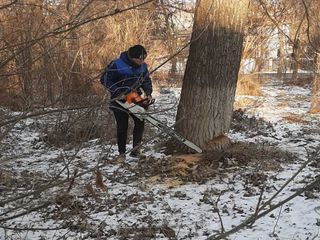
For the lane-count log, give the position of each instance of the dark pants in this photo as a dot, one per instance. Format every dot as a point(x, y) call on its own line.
point(122, 118)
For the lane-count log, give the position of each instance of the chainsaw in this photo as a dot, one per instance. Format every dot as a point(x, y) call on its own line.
point(138, 106)
point(135, 98)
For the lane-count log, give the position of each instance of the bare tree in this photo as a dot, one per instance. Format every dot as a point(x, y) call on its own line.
point(58, 48)
point(312, 11)
point(210, 79)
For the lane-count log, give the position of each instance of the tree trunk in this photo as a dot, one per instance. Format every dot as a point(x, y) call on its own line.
point(315, 93)
point(171, 39)
point(281, 72)
point(314, 8)
point(47, 72)
point(258, 59)
point(295, 30)
point(25, 66)
point(295, 61)
point(211, 75)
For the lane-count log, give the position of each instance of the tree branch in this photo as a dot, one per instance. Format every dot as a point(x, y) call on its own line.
point(254, 217)
point(60, 30)
point(8, 4)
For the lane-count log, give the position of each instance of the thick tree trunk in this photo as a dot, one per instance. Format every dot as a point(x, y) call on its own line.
point(210, 79)
point(314, 8)
point(315, 94)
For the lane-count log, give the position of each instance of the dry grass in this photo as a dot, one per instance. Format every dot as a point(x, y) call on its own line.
point(245, 103)
point(282, 105)
point(163, 79)
point(70, 70)
point(80, 127)
point(262, 157)
point(248, 85)
point(295, 118)
point(315, 105)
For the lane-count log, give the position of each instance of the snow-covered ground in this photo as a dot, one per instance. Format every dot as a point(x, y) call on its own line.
point(142, 201)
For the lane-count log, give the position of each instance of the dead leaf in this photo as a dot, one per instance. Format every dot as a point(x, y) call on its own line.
point(99, 181)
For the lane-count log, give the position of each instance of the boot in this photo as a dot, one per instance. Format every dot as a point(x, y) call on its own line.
point(137, 154)
point(121, 158)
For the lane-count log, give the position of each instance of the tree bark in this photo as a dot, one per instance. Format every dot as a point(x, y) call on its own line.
point(281, 71)
point(171, 39)
point(295, 61)
point(211, 75)
point(47, 73)
point(25, 66)
point(313, 22)
point(315, 93)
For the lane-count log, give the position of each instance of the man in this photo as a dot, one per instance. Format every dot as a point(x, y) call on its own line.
point(126, 74)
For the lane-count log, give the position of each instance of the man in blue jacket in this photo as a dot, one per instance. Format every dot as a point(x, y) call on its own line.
point(126, 74)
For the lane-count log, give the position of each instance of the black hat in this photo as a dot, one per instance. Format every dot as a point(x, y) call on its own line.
point(137, 51)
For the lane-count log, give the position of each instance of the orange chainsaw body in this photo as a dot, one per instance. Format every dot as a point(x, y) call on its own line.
point(133, 97)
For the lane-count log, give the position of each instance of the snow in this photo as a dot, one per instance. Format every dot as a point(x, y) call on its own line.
point(190, 209)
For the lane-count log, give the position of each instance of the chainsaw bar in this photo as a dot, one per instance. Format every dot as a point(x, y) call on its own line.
point(142, 114)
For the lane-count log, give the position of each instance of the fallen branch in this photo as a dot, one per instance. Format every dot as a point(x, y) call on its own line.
point(46, 204)
point(30, 228)
point(256, 217)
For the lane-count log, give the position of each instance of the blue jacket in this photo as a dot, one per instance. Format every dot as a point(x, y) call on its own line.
point(122, 76)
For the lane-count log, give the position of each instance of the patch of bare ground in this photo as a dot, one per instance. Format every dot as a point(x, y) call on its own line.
point(150, 232)
point(178, 169)
point(302, 81)
point(241, 122)
point(296, 118)
point(311, 129)
point(10, 180)
point(181, 167)
point(259, 156)
point(251, 125)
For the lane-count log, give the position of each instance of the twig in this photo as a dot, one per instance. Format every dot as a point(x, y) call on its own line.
point(46, 187)
point(41, 113)
point(72, 180)
point(274, 228)
point(15, 208)
point(64, 28)
point(30, 228)
point(254, 218)
point(263, 5)
point(219, 215)
point(46, 204)
point(8, 5)
point(259, 201)
point(315, 48)
point(286, 183)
